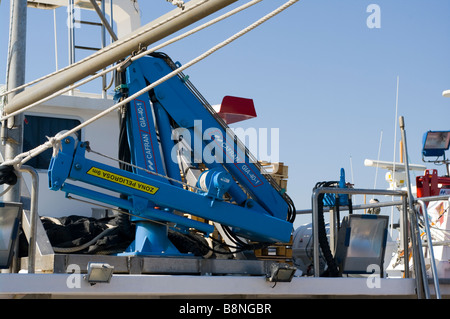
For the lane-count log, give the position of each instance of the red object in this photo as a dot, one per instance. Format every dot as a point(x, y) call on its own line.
point(235, 109)
point(430, 183)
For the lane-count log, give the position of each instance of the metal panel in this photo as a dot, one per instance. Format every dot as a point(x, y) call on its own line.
point(164, 265)
point(148, 286)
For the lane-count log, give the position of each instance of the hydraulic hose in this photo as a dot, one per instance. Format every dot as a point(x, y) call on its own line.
point(332, 270)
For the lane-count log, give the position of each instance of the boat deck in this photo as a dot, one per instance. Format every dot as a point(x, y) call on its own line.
point(188, 286)
point(173, 277)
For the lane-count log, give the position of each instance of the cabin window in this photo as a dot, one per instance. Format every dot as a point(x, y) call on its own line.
point(35, 132)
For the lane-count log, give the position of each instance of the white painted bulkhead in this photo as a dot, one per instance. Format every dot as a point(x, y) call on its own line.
point(103, 138)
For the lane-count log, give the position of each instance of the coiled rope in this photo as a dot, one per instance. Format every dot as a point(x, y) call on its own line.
point(178, 3)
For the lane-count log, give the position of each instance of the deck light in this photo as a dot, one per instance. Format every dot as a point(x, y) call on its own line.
point(362, 243)
point(281, 272)
point(435, 143)
point(99, 273)
point(9, 226)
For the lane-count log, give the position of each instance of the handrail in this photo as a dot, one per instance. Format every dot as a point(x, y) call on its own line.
point(418, 258)
point(354, 207)
point(421, 202)
point(34, 216)
point(403, 194)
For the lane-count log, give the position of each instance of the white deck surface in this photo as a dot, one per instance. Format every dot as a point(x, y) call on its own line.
point(161, 286)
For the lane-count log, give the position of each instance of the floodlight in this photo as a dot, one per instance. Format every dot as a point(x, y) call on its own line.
point(99, 273)
point(361, 243)
point(435, 143)
point(281, 272)
point(9, 226)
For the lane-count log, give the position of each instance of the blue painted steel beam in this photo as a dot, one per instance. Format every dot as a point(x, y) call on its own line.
point(185, 108)
point(245, 221)
point(158, 215)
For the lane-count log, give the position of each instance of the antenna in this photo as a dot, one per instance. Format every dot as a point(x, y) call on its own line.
point(378, 160)
point(351, 169)
point(395, 146)
point(395, 130)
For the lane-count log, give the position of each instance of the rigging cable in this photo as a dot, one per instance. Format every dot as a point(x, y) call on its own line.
point(135, 57)
point(291, 214)
point(113, 45)
point(24, 157)
point(54, 141)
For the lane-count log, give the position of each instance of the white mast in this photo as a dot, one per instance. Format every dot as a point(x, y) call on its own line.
point(15, 77)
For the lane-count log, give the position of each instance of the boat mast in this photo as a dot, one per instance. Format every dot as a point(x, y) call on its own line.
point(15, 77)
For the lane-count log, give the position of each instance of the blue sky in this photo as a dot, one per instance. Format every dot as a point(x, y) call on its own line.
point(316, 72)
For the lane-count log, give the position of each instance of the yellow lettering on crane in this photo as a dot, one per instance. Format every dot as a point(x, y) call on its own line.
point(122, 180)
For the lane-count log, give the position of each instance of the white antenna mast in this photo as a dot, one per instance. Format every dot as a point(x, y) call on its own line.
point(395, 147)
point(395, 133)
point(378, 160)
point(351, 169)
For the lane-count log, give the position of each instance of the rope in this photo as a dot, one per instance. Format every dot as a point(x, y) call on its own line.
point(178, 3)
point(113, 45)
point(7, 176)
point(132, 58)
point(52, 141)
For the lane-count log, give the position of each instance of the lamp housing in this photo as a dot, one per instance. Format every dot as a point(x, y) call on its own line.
point(99, 273)
point(10, 214)
point(435, 143)
point(281, 272)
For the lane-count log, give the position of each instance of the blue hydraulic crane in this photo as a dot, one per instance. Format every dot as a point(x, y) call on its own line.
point(172, 125)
